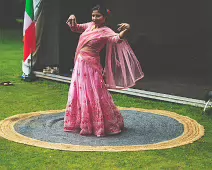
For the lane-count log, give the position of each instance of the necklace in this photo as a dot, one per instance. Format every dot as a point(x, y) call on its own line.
point(94, 27)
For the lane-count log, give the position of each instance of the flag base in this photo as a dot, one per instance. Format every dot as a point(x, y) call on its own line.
point(28, 78)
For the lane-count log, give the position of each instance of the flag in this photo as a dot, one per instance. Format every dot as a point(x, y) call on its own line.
point(29, 37)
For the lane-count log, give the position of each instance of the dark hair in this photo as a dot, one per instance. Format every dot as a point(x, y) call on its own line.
point(104, 11)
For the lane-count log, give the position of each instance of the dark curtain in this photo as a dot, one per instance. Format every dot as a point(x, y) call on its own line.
point(48, 35)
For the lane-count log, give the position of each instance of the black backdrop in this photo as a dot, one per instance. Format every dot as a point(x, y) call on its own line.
point(171, 39)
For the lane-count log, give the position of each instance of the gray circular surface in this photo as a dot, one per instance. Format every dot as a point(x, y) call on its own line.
point(141, 128)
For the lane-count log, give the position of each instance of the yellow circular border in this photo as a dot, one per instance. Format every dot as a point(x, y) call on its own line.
point(192, 132)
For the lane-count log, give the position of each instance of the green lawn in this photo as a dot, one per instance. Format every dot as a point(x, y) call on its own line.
point(26, 97)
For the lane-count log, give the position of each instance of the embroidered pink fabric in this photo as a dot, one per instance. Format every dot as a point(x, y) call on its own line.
point(90, 108)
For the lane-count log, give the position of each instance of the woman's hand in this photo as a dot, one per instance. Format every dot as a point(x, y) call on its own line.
point(71, 20)
point(123, 26)
point(124, 29)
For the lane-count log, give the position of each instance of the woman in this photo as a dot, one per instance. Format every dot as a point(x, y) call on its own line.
point(90, 108)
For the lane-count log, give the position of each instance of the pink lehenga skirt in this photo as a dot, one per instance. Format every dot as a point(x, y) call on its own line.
point(90, 107)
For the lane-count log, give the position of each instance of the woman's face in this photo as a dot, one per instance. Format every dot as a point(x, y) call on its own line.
point(98, 18)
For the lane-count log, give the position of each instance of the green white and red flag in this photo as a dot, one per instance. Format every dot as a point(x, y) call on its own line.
point(29, 37)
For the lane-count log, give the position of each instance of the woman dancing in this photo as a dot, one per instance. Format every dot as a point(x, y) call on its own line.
point(90, 108)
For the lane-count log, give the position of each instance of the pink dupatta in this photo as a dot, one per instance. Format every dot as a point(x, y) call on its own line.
point(122, 69)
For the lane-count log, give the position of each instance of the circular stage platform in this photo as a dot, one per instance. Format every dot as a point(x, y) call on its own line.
point(144, 130)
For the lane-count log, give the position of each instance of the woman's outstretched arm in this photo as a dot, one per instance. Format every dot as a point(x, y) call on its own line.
point(118, 38)
point(72, 23)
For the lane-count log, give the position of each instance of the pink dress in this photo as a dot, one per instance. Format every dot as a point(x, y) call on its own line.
point(90, 107)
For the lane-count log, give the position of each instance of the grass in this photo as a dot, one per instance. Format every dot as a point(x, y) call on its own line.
point(26, 97)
